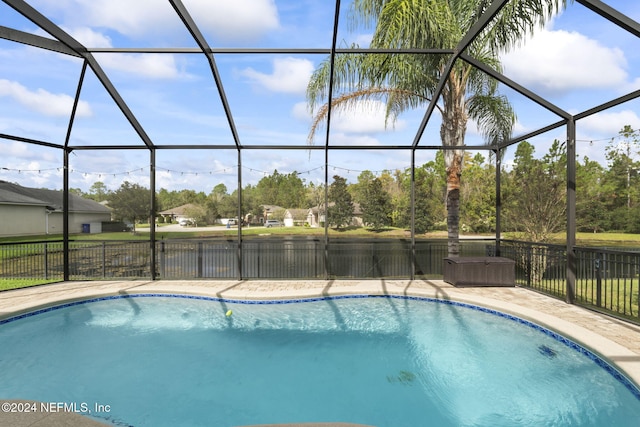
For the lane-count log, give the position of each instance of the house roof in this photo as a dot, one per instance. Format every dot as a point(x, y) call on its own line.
point(10, 197)
point(179, 210)
point(14, 194)
point(271, 208)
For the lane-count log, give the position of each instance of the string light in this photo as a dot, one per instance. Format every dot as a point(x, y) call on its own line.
point(226, 170)
point(183, 173)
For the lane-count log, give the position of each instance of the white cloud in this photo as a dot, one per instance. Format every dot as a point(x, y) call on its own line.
point(340, 138)
point(301, 112)
point(366, 117)
point(289, 75)
point(608, 123)
point(352, 125)
point(26, 154)
point(30, 166)
point(364, 40)
point(131, 18)
point(559, 61)
point(238, 20)
point(88, 37)
point(150, 65)
point(42, 101)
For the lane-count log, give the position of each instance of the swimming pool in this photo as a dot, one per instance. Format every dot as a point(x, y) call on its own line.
point(155, 360)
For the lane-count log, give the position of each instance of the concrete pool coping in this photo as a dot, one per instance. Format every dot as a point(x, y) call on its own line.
point(614, 340)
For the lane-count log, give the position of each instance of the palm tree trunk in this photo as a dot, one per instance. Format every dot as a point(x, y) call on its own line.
point(454, 170)
point(452, 132)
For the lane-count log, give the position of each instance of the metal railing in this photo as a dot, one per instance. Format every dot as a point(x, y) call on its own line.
point(606, 279)
point(539, 266)
point(32, 260)
point(294, 258)
point(109, 259)
point(609, 280)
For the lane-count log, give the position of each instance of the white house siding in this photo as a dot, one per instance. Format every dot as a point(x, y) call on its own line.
point(36, 211)
point(76, 219)
point(296, 217)
point(18, 220)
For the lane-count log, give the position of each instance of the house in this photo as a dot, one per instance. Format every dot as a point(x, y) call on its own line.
point(317, 215)
point(177, 213)
point(271, 212)
point(32, 211)
point(298, 217)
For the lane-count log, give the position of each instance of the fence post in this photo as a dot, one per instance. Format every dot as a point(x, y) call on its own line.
point(638, 272)
point(259, 252)
point(374, 265)
point(315, 258)
point(46, 260)
point(199, 259)
point(104, 259)
point(162, 261)
point(529, 249)
point(598, 281)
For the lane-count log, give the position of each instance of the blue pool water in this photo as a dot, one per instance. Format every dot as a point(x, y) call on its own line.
point(382, 361)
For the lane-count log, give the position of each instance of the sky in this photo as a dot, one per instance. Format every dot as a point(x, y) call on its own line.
point(578, 61)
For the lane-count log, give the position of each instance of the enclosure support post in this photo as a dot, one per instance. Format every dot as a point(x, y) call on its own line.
point(65, 177)
point(326, 214)
point(65, 216)
point(498, 154)
point(332, 59)
point(152, 213)
point(413, 214)
point(571, 210)
point(239, 246)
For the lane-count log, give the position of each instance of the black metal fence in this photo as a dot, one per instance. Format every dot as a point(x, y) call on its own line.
point(294, 258)
point(609, 280)
point(539, 266)
point(606, 279)
point(300, 258)
point(32, 260)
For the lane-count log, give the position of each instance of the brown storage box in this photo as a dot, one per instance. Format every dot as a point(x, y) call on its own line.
point(479, 271)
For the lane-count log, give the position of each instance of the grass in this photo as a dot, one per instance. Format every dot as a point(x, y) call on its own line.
point(142, 233)
point(619, 295)
point(601, 239)
point(6, 284)
point(222, 232)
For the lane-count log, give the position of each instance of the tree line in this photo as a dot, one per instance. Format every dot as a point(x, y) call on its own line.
point(533, 194)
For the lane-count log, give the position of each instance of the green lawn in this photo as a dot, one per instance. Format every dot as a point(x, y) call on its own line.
point(583, 239)
point(618, 295)
point(6, 284)
point(222, 232)
point(602, 239)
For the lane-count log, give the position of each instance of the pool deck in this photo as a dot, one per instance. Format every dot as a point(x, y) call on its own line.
point(613, 339)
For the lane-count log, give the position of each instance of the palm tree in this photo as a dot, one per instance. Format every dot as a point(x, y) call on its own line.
point(407, 81)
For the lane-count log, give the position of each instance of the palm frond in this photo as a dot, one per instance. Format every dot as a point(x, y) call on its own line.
point(516, 20)
point(494, 115)
point(408, 23)
point(398, 100)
